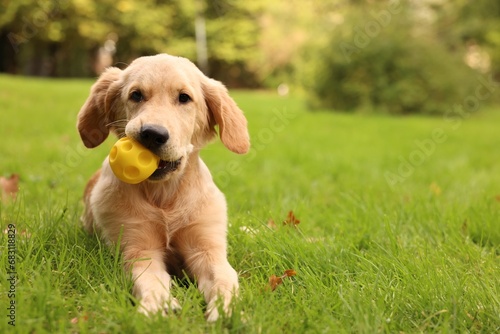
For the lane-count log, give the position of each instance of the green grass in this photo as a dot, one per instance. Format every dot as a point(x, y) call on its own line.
point(419, 254)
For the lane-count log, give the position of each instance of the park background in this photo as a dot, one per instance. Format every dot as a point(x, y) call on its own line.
point(373, 173)
point(398, 57)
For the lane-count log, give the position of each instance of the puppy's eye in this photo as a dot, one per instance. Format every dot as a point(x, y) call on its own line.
point(184, 98)
point(136, 96)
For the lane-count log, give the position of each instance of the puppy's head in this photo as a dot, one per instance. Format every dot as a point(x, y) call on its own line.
point(168, 105)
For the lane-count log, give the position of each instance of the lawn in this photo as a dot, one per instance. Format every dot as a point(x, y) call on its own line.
point(399, 222)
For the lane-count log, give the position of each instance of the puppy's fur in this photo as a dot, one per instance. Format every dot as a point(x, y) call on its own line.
point(177, 216)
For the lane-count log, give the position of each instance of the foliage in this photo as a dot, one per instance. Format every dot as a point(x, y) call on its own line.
point(55, 38)
point(418, 256)
point(476, 24)
point(412, 53)
point(382, 60)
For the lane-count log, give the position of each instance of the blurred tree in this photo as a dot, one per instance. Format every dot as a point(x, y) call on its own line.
point(386, 58)
point(61, 38)
point(233, 32)
point(255, 43)
point(475, 25)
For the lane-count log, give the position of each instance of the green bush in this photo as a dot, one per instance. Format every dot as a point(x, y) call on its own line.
point(385, 64)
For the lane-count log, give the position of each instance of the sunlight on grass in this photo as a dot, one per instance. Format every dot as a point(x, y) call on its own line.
point(417, 255)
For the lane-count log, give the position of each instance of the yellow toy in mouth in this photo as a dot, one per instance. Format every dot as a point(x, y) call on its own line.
point(131, 162)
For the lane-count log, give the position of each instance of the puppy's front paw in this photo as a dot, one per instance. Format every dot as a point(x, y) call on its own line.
point(212, 314)
point(150, 305)
point(221, 299)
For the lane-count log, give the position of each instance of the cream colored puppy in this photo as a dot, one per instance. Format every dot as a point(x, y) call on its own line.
point(175, 220)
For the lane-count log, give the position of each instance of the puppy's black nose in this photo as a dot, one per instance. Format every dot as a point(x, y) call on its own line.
point(153, 136)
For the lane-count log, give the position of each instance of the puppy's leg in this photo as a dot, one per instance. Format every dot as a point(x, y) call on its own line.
point(88, 218)
point(203, 247)
point(144, 257)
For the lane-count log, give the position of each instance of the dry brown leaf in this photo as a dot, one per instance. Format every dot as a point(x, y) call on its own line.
point(75, 320)
point(291, 220)
point(9, 187)
point(274, 280)
point(23, 233)
point(271, 223)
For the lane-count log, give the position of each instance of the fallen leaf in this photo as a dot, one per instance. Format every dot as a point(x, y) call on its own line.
point(271, 223)
point(291, 220)
point(9, 187)
point(274, 280)
point(23, 233)
point(75, 320)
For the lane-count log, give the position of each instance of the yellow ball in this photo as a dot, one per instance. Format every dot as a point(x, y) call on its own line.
point(131, 162)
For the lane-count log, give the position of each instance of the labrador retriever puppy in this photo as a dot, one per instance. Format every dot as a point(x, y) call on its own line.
point(175, 220)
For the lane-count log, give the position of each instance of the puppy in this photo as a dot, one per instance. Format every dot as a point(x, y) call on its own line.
point(176, 219)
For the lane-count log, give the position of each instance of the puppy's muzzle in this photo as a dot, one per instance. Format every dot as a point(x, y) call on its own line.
point(153, 137)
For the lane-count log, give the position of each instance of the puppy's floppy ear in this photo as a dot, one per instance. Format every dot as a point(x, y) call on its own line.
point(232, 123)
point(96, 114)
